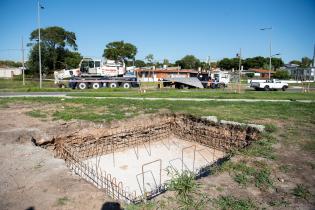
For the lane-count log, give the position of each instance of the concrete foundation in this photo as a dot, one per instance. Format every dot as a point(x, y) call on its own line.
point(133, 161)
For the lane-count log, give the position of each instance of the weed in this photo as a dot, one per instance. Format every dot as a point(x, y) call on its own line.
point(62, 201)
point(270, 128)
point(284, 168)
point(186, 189)
point(278, 203)
point(36, 114)
point(301, 191)
point(231, 202)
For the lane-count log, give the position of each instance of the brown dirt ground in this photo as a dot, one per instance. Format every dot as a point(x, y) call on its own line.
point(32, 177)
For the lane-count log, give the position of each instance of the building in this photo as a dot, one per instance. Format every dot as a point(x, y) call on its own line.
point(299, 73)
point(261, 73)
point(9, 72)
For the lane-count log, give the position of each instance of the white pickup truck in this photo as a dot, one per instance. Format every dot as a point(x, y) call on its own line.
point(273, 84)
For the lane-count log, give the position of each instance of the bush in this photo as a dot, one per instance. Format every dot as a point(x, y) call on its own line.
point(281, 74)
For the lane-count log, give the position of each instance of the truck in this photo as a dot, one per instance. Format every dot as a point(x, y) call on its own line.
point(95, 73)
point(273, 84)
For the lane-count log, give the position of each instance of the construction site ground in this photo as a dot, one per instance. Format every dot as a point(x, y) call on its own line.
point(32, 177)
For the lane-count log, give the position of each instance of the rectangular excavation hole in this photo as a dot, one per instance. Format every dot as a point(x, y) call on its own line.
point(132, 162)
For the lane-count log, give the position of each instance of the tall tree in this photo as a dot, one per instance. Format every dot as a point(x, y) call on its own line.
point(120, 51)
point(188, 62)
point(149, 58)
point(54, 39)
point(306, 62)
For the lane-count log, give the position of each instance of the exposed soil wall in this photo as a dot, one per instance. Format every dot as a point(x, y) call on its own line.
point(224, 137)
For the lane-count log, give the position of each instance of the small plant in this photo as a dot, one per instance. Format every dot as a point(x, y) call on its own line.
point(270, 128)
point(36, 113)
point(186, 189)
point(301, 191)
point(62, 201)
point(233, 203)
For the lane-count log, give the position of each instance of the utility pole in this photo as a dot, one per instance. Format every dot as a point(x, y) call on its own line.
point(23, 66)
point(264, 29)
point(39, 50)
point(239, 70)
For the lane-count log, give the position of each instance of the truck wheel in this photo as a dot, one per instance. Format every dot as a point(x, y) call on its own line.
point(126, 85)
point(96, 85)
point(266, 88)
point(113, 85)
point(82, 85)
point(284, 88)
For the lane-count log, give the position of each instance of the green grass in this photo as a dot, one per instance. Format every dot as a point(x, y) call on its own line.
point(62, 201)
point(36, 114)
point(233, 203)
point(217, 94)
point(245, 174)
point(301, 191)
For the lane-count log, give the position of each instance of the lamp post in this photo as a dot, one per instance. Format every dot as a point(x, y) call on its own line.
point(264, 29)
point(39, 50)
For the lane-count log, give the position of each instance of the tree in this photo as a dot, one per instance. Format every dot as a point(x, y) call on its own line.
point(276, 63)
point(149, 58)
point(54, 39)
point(139, 63)
point(229, 64)
point(8, 63)
point(297, 62)
point(72, 59)
point(120, 51)
point(281, 74)
point(255, 62)
point(188, 62)
point(306, 62)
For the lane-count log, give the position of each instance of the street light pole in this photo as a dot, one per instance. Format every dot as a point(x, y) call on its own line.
point(269, 58)
point(263, 29)
point(39, 50)
point(23, 66)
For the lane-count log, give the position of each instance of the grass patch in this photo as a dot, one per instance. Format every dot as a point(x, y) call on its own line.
point(301, 191)
point(216, 94)
point(36, 114)
point(231, 202)
point(62, 201)
point(262, 148)
point(244, 174)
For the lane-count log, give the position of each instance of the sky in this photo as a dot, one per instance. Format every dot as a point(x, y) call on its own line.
point(168, 28)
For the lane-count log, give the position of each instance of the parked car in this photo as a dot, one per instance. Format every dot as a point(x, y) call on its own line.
point(273, 84)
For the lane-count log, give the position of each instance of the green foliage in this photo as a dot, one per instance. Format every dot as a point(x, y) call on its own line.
point(55, 54)
point(229, 63)
point(262, 148)
point(301, 191)
point(186, 191)
point(244, 174)
point(297, 62)
point(250, 75)
point(36, 113)
point(233, 203)
point(119, 50)
point(139, 63)
point(270, 128)
point(62, 201)
point(188, 62)
point(8, 63)
point(149, 58)
point(306, 62)
point(281, 74)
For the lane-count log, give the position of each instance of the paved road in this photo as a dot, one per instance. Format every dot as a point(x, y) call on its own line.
point(64, 95)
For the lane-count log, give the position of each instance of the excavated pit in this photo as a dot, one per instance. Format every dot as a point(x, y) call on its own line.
point(134, 160)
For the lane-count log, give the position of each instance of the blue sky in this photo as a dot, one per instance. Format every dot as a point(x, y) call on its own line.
point(169, 28)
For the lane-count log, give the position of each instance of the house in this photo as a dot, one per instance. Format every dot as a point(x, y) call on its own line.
point(154, 75)
point(9, 72)
point(262, 73)
point(299, 73)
